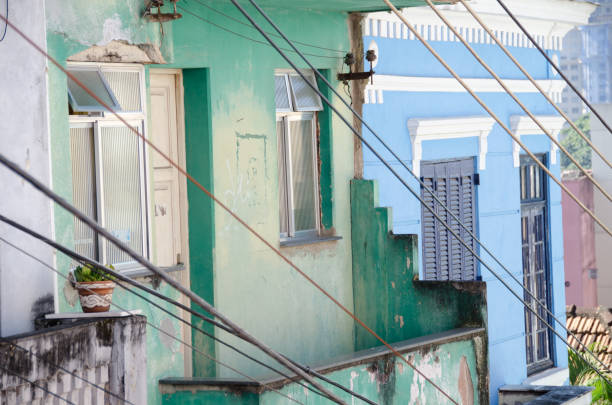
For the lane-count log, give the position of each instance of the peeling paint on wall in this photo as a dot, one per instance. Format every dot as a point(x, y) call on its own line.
point(120, 51)
point(465, 384)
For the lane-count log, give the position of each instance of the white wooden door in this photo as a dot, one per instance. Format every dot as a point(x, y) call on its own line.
point(169, 244)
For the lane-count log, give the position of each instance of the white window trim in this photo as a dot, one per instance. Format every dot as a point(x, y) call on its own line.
point(138, 120)
point(291, 233)
point(428, 129)
point(523, 125)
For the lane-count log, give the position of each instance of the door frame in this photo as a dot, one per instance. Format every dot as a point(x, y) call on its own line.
point(184, 274)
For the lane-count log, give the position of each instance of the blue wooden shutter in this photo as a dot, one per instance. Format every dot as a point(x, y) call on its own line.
point(444, 257)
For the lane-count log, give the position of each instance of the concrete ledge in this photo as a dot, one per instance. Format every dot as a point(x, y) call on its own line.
point(544, 394)
point(308, 241)
point(549, 377)
point(361, 357)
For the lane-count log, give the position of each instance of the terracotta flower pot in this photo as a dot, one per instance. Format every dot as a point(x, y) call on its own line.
point(95, 296)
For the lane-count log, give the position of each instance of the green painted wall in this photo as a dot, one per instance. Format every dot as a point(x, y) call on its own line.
point(198, 148)
point(384, 380)
point(231, 147)
point(387, 296)
point(210, 398)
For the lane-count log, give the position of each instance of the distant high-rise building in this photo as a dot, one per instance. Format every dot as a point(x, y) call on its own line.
point(587, 60)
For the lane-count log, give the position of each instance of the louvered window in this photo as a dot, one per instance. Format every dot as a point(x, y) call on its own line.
point(108, 164)
point(444, 257)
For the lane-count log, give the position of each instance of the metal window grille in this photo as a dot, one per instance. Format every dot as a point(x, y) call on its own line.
point(444, 257)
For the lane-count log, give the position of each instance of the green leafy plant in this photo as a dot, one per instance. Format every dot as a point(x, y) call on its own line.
point(575, 145)
point(581, 372)
point(88, 272)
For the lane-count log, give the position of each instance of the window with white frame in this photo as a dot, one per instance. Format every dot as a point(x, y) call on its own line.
point(108, 160)
point(298, 175)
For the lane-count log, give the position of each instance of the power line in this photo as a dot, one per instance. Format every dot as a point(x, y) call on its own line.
point(244, 36)
point(160, 273)
point(427, 188)
point(535, 83)
point(269, 33)
point(194, 297)
point(554, 65)
point(235, 216)
point(314, 88)
point(40, 387)
point(519, 102)
point(21, 227)
point(203, 190)
point(496, 118)
point(434, 53)
point(83, 260)
point(137, 257)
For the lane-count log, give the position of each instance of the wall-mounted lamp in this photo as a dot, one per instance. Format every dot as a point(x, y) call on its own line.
point(349, 59)
point(159, 16)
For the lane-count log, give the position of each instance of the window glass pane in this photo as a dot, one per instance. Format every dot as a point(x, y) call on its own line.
point(306, 99)
point(282, 179)
point(94, 81)
point(303, 179)
point(281, 96)
point(126, 87)
point(121, 190)
point(83, 189)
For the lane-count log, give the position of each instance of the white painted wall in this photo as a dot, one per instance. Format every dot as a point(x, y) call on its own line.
point(24, 138)
point(603, 208)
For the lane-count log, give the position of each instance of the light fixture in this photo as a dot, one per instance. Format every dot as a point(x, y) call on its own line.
point(349, 59)
point(159, 16)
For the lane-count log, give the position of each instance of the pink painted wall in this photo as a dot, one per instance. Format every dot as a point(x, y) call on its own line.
point(579, 244)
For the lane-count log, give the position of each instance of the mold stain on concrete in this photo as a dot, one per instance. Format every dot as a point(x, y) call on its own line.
point(383, 372)
point(43, 305)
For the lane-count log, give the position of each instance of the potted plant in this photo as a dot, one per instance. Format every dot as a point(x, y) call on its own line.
point(95, 287)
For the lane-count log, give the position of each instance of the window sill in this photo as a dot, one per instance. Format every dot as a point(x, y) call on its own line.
point(137, 272)
point(549, 376)
point(308, 241)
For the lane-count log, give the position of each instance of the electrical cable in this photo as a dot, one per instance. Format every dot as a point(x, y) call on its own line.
point(519, 102)
point(83, 260)
point(554, 65)
point(275, 35)
point(499, 121)
point(46, 360)
point(229, 211)
point(133, 254)
point(138, 258)
point(424, 186)
point(535, 83)
point(10, 222)
point(40, 387)
point(244, 36)
point(195, 298)
point(386, 164)
point(159, 272)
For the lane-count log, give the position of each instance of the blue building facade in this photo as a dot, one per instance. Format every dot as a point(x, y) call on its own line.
point(451, 143)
